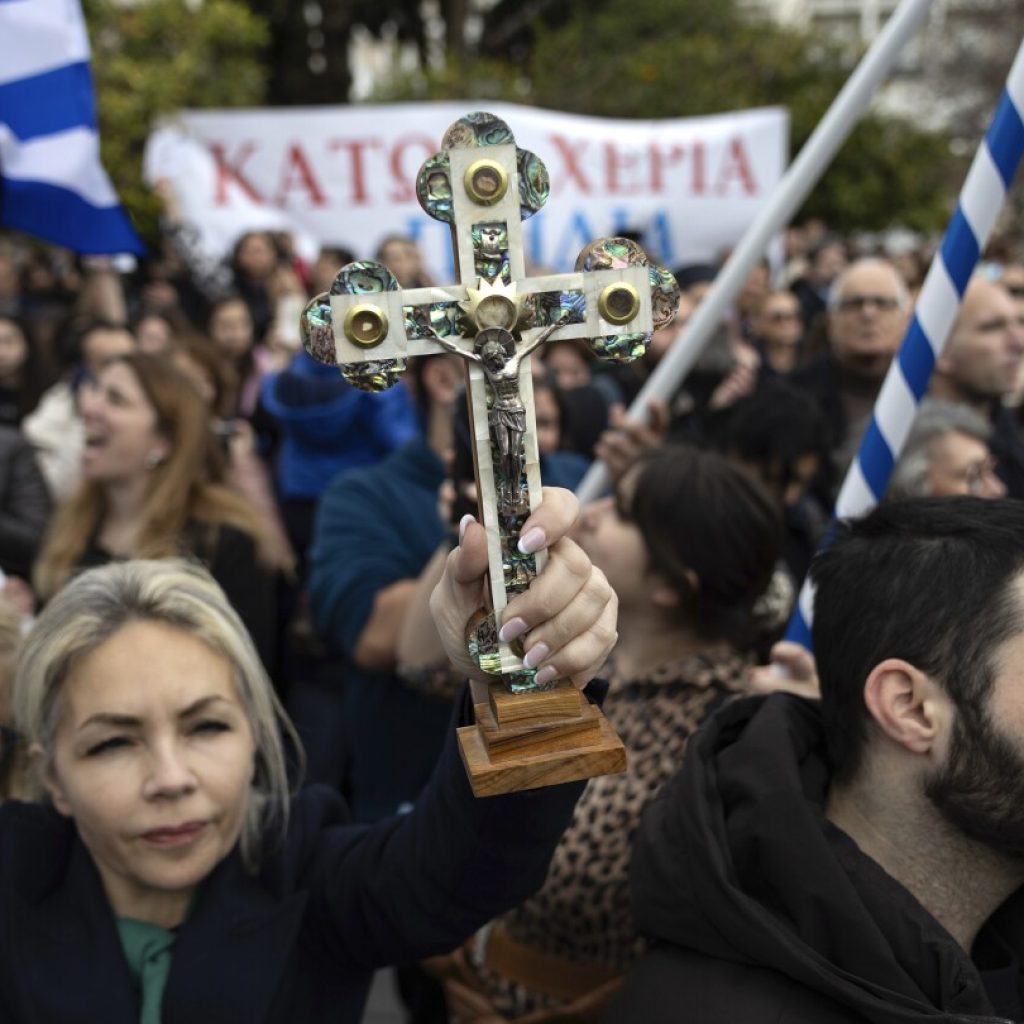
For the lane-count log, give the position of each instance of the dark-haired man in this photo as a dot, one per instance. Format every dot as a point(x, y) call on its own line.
point(862, 859)
point(377, 528)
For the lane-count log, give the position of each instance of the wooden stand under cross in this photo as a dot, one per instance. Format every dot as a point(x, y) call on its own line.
point(483, 185)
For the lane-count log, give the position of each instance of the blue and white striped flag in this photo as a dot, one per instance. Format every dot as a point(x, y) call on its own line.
point(52, 184)
point(984, 191)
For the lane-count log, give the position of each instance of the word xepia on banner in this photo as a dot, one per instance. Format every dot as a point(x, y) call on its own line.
point(346, 176)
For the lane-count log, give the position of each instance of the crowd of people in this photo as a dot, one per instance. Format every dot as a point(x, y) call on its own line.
point(222, 572)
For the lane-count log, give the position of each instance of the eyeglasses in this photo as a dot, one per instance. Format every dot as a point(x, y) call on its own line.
point(858, 303)
point(978, 476)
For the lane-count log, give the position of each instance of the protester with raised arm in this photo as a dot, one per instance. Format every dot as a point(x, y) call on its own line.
point(183, 881)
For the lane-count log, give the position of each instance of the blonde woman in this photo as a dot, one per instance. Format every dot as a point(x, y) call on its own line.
point(167, 873)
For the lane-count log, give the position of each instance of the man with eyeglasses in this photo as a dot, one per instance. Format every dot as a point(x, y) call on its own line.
point(979, 368)
point(867, 317)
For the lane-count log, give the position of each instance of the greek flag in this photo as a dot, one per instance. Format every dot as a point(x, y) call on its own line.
point(52, 184)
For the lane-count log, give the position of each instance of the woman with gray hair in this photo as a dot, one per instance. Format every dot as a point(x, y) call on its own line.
point(166, 872)
point(946, 453)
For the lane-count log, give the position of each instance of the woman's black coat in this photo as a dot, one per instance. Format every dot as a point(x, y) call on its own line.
point(297, 943)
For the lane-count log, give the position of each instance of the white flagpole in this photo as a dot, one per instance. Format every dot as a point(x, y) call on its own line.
point(803, 174)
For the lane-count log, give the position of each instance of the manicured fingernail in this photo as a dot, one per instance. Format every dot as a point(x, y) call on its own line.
point(533, 540)
point(511, 629)
point(536, 654)
point(545, 675)
point(463, 523)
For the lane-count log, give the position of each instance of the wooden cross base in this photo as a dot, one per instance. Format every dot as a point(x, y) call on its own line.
point(525, 741)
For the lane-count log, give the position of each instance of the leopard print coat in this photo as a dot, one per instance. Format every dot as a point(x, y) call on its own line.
point(582, 912)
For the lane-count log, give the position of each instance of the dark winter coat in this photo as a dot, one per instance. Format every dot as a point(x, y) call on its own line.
point(764, 913)
point(295, 944)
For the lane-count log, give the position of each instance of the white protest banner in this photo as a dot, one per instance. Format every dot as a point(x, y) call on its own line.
point(347, 176)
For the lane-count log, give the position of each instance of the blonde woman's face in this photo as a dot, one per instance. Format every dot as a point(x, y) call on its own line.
point(120, 427)
point(153, 759)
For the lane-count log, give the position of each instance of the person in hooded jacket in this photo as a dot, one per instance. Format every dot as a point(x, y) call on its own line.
point(858, 859)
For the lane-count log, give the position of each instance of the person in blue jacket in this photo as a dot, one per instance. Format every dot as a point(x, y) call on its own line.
point(167, 874)
point(326, 427)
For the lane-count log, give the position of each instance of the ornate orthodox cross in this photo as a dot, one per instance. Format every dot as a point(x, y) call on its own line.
point(484, 186)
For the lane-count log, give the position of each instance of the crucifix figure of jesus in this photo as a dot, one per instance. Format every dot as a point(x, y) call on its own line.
point(495, 351)
point(483, 186)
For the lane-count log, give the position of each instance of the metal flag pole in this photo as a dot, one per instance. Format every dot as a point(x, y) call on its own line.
point(802, 175)
point(981, 198)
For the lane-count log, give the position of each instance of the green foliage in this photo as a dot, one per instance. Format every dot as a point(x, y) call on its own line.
point(889, 173)
point(680, 58)
point(156, 58)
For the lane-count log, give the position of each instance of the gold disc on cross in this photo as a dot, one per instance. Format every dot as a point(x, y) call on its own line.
point(485, 181)
point(366, 325)
point(618, 303)
point(496, 311)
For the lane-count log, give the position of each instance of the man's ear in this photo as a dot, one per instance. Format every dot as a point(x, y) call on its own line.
point(48, 776)
point(907, 705)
